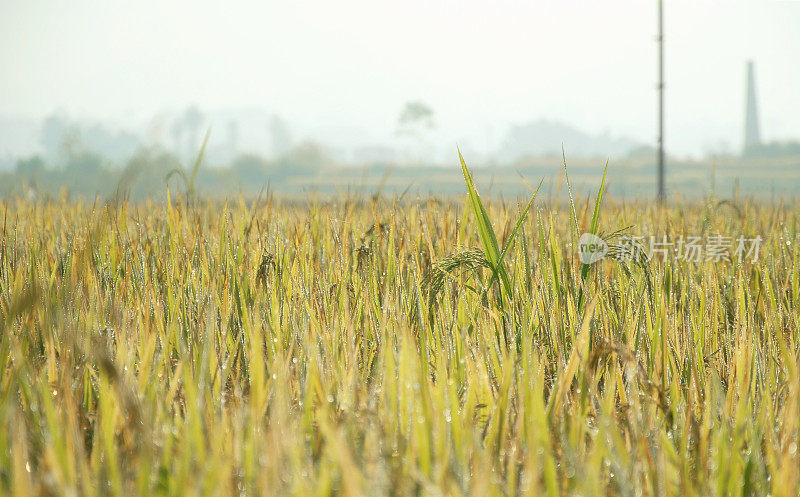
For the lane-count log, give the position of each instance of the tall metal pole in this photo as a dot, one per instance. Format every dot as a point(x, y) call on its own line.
point(661, 194)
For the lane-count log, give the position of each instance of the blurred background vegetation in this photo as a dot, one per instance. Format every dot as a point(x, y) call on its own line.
point(90, 160)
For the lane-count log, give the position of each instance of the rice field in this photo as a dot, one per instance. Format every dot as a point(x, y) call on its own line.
point(355, 345)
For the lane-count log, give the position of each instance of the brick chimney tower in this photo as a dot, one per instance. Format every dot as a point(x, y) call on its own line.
point(752, 136)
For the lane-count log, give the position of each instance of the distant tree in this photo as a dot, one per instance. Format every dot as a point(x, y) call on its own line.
point(643, 151)
point(304, 159)
point(62, 138)
point(280, 136)
point(415, 117)
point(177, 136)
point(33, 166)
point(415, 120)
point(56, 133)
point(117, 145)
point(84, 164)
point(192, 119)
point(144, 174)
point(773, 149)
point(250, 168)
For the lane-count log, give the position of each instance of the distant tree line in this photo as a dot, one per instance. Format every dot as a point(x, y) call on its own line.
point(773, 149)
point(83, 172)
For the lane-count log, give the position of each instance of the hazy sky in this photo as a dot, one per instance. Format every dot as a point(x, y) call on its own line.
point(482, 65)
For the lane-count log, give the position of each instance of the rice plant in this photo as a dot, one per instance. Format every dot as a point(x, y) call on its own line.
point(388, 346)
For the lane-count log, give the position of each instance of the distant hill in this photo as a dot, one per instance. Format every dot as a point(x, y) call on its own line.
point(545, 137)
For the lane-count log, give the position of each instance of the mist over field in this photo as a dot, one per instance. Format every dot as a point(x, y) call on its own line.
point(301, 86)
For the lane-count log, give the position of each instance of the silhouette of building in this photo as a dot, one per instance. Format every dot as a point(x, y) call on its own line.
point(752, 136)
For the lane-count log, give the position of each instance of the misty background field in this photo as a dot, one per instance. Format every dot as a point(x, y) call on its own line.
point(328, 97)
